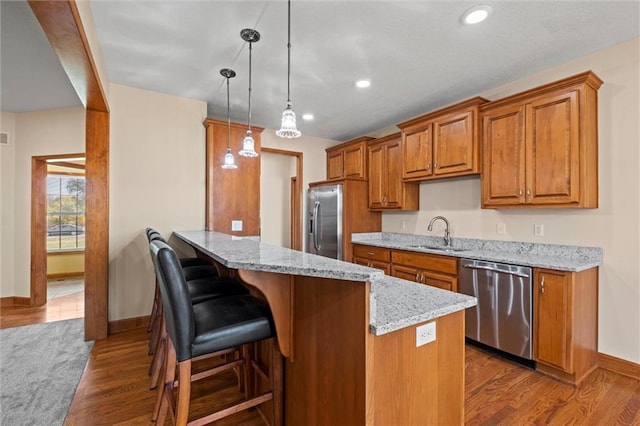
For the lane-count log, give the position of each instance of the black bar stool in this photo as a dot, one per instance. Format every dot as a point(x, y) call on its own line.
point(209, 328)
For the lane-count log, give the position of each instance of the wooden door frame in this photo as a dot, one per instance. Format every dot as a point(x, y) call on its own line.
point(61, 23)
point(296, 196)
point(38, 285)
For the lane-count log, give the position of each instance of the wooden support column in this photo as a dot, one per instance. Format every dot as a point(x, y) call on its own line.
point(61, 23)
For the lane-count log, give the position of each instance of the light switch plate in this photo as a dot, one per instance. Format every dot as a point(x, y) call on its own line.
point(538, 230)
point(236, 225)
point(501, 228)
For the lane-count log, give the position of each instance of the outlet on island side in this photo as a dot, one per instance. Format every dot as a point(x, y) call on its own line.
point(236, 225)
point(425, 334)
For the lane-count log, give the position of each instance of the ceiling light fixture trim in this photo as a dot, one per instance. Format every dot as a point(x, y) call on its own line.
point(476, 14)
point(363, 83)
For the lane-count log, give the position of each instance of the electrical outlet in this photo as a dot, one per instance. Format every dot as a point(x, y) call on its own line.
point(501, 228)
point(404, 224)
point(425, 334)
point(236, 225)
point(538, 230)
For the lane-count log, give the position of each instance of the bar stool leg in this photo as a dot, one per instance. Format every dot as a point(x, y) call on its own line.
point(184, 392)
point(276, 379)
point(164, 397)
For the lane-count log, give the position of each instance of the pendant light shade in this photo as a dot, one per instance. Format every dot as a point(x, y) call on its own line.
point(229, 161)
point(248, 143)
point(288, 127)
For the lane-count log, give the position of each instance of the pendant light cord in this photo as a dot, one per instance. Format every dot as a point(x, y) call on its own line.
point(289, 54)
point(228, 118)
point(249, 113)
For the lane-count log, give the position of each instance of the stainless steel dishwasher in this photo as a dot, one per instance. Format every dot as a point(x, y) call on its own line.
point(503, 316)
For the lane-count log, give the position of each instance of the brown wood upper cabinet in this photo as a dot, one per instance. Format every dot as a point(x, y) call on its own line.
point(442, 143)
point(566, 323)
point(386, 189)
point(540, 147)
point(348, 160)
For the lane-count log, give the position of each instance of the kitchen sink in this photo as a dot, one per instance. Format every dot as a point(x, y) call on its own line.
point(438, 248)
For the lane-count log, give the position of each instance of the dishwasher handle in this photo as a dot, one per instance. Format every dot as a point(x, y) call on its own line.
point(489, 267)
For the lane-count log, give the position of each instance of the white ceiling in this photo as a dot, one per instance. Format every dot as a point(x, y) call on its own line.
point(417, 54)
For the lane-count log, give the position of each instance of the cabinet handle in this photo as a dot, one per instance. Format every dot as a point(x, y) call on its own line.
point(428, 166)
point(417, 277)
point(435, 166)
point(542, 285)
point(384, 199)
point(520, 193)
point(528, 192)
point(369, 253)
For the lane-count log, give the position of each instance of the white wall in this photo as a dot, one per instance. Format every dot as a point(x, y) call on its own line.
point(7, 203)
point(276, 171)
point(157, 179)
point(50, 132)
point(614, 226)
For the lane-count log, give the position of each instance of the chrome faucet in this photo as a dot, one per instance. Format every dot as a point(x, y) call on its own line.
point(447, 235)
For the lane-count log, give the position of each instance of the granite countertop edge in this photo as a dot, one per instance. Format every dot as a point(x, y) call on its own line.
point(557, 257)
point(394, 303)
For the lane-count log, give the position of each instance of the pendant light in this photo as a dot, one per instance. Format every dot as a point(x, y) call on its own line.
point(229, 161)
point(288, 127)
point(248, 144)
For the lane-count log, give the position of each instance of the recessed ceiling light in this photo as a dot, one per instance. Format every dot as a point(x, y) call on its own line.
point(307, 116)
point(476, 14)
point(363, 83)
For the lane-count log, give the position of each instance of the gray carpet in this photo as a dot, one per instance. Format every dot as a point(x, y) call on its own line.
point(40, 367)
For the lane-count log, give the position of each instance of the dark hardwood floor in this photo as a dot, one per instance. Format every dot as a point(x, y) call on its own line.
point(114, 389)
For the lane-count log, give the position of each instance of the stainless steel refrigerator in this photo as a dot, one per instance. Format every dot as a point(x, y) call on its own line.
point(324, 221)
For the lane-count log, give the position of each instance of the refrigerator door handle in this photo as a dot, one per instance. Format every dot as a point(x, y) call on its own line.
point(316, 214)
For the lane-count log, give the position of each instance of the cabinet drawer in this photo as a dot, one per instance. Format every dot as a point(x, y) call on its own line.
point(373, 253)
point(444, 264)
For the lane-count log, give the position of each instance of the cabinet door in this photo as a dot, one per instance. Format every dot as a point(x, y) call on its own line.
point(335, 164)
point(553, 152)
point(377, 178)
point(360, 261)
point(393, 175)
point(444, 282)
point(454, 144)
point(552, 289)
point(405, 272)
point(354, 162)
point(383, 266)
point(503, 168)
point(417, 154)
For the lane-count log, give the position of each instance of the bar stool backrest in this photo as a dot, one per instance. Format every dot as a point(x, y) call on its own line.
point(178, 310)
point(153, 235)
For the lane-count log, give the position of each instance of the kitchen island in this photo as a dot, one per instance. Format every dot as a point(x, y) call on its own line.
point(348, 334)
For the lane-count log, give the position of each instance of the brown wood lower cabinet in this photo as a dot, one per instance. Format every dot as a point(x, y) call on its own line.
point(566, 323)
point(373, 257)
point(434, 270)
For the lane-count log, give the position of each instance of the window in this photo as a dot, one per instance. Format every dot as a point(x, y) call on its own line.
point(65, 212)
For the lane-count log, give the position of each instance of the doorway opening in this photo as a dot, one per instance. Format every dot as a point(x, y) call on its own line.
point(58, 234)
point(280, 198)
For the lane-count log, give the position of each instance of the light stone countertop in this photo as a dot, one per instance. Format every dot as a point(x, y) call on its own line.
point(551, 256)
point(394, 303)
